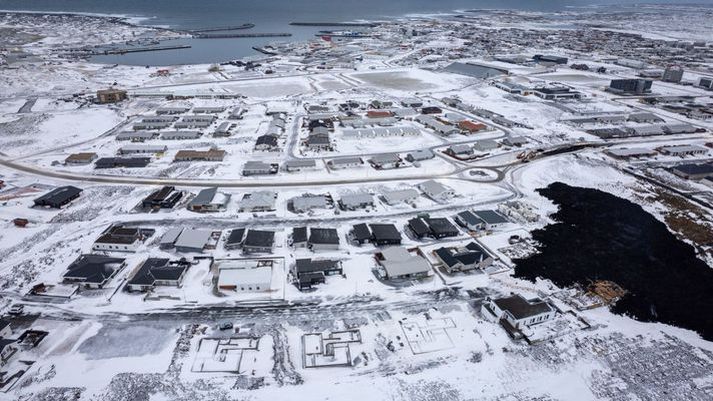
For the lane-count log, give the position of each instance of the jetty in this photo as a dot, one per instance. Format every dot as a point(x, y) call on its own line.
point(223, 28)
point(239, 35)
point(140, 49)
point(342, 24)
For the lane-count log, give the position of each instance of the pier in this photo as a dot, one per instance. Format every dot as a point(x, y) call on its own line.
point(239, 35)
point(141, 49)
point(223, 29)
point(342, 24)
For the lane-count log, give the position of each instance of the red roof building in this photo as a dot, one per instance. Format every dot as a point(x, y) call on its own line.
point(471, 126)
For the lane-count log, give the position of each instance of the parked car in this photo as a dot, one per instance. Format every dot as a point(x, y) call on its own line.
point(16, 309)
point(225, 325)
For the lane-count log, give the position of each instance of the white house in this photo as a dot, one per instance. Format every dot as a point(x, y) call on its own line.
point(518, 311)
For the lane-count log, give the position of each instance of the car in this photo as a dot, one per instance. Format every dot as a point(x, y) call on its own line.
point(16, 309)
point(225, 325)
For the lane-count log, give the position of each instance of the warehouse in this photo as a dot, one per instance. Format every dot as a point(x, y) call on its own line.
point(693, 171)
point(58, 197)
point(139, 136)
point(122, 162)
point(171, 110)
point(142, 149)
point(683, 150)
point(211, 155)
point(180, 135)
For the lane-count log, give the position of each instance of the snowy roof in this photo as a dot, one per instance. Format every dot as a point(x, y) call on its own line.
point(191, 238)
point(356, 199)
point(399, 262)
point(231, 276)
point(400, 195)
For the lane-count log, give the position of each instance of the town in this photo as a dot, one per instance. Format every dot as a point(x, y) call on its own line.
point(343, 215)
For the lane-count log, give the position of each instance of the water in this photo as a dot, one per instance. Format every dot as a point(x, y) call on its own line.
point(617, 240)
point(267, 15)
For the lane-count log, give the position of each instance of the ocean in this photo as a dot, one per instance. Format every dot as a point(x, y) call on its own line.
point(271, 16)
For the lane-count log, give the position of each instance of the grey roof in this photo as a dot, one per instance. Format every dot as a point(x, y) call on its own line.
point(193, 239)
point(170, 236)
point(181, 134)
point(204, 197)
point(235, 237)
point(299, 234)
point(128, 135)
point(475, 71)
point(309, 202)
point(290, 164)
point(432, 187)
point(356, 199)
point(490, 216)
point(400, 195)
point(346, 161)
point(323, 236)
point(259, 239)
point(385, 158)
point(399, 262)
point(258, 200)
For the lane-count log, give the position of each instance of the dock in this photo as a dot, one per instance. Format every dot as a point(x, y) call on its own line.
point(342, 24)
point(223, 28)
point(142, 49)
point(239, 35)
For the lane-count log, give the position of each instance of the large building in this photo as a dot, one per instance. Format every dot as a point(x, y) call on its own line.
point(630, 86)
point(111, 96)
point(672, 73)
point(58, 197)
